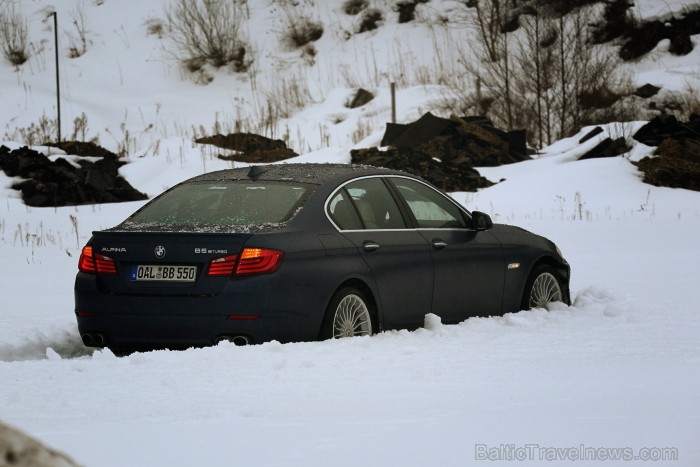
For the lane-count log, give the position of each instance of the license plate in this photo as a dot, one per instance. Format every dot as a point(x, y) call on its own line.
point(159, 272)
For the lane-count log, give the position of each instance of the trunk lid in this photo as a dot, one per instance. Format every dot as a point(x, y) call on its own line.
point(173, 253)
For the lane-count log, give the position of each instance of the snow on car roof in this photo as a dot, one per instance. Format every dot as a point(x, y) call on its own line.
point(306, 173)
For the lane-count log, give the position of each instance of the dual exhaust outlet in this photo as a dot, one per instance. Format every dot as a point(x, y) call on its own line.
point(93, 340)
point(236, 340)
point(99, 340)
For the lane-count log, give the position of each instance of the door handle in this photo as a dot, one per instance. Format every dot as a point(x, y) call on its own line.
point(438, 244)
point(370, 246)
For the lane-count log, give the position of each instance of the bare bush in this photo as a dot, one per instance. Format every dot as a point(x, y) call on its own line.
point(562, 80)
point(81, 129)
point(42, 132)
point(370, 20)
point(13, 33)
point(155, 27)
point(689, 100)
point(353, 7)
point(79, 42)
point(208, 31)
point(300, 30)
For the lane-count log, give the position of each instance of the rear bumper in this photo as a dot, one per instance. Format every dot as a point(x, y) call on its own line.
point(260, 309)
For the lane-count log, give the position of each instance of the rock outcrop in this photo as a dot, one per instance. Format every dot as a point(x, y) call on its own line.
point(677, 161)
point(252, 148)
point(47, 183)
point(445, 151)
point(20, 450)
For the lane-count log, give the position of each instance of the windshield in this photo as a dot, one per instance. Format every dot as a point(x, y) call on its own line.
point(224, 203)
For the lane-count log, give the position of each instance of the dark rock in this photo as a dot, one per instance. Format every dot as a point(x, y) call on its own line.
point(615, 21)
point(644, 36)
point(60, 183)
point(677, 164)
point(680, 44)
point(511, 24)
point(254, 148)
point(665, 126)
point(642, 40)
point(407, 9)
point(601, 98)
point(414, 134)
point(370, 20)
point(353, 7)
point(445, 176)
point(595, 131)
point(686, 149)
point(445, 151)
point(20, 450)
point(670, 172)
point(647, 91)
point(517, 144)
point(637, 38)
point(361, 97)
point(607, 148)
point(103, 174)
point(83, 149)
point(471, 140)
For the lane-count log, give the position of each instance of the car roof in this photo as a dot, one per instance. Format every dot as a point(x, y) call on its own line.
point(317, 174)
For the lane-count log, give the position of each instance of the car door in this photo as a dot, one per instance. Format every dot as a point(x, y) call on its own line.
point(399, 258)
point(469, 269)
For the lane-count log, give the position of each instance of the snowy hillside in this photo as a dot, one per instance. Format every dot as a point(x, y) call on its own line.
point(131, 91)
point(611, 380)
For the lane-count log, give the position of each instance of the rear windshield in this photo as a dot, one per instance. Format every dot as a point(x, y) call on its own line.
point(224, 203)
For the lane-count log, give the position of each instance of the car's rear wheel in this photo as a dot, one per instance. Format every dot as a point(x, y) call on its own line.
point(542, 288)
point(349, 314)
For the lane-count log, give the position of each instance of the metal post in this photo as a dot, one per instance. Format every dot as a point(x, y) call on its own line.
point(393, 102)
point(58, 84)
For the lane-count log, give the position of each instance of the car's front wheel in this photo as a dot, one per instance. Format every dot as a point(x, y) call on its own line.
point(542, 288)
point(348, 314)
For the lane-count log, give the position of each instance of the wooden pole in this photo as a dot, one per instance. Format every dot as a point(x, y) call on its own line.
point(58, 84)
point(393, 102)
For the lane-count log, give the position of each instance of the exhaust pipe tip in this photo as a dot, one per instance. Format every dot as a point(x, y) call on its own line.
point(98, 340)
point(241, 340)
point(235, 340)
point(87, 339)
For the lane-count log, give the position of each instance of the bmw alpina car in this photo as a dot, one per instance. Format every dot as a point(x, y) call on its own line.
point(299, 252)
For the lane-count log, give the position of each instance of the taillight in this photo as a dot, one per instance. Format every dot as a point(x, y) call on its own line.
point(251, 261)
point(222, 266)
point(95, 263)
point(258, 261)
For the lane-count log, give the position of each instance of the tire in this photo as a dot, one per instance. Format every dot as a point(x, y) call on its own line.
point(542, 288)
point(349, 314)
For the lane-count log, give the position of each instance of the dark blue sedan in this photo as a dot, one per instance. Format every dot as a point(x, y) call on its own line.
point(301, 252)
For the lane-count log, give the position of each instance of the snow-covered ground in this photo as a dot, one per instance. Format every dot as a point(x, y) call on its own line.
point(619, 369)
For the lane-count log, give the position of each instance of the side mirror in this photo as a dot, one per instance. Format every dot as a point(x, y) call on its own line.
point(481, 221)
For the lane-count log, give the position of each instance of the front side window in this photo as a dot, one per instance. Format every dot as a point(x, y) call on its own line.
point(224, 203)
point(430, 208)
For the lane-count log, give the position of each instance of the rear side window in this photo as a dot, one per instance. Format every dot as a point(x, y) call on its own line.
point(224, 203)
point(343, 212)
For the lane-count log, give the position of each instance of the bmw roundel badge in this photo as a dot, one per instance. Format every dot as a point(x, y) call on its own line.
point(160, 251)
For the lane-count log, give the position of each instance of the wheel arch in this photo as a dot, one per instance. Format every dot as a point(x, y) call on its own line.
point(561, 269)
point(373, 303)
